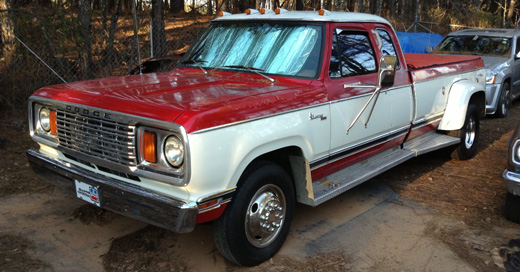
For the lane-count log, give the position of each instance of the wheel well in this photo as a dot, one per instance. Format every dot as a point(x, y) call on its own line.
point(508, 80)
point(479, 99)
point(282, 157)
point(292, 160)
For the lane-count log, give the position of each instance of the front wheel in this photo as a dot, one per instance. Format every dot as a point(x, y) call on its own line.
point(256, 223)
point(504, 101)
point(468, 134)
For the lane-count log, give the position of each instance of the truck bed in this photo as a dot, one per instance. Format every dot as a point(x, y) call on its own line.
point(427, 66)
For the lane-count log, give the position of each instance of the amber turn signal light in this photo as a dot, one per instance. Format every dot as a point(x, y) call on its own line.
point(54, 126)
point(149, 147)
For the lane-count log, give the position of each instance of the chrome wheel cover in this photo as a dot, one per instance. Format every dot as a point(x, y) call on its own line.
point(471, 132)
point(265, 215)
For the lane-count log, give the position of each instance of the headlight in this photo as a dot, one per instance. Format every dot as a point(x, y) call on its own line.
point(516, 152)
point(163, 154)
point(43, 122)
point(490, 77)
point(45, 119)
point(174, 151)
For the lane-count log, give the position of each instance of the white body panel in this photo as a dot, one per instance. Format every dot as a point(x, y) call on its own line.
point(392, 111)
point(447, 98)
point(223, 154)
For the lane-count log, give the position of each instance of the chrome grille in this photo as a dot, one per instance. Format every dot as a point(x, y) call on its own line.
point(100, 138)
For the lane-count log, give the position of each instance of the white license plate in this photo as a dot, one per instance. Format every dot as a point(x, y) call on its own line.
point(88, 193)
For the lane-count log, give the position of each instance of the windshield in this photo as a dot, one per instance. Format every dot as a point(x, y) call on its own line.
point(271, 48)
point(475, 44)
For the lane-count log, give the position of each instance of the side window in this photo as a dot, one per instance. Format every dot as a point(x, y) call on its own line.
point(387, 47)
point(352, 54)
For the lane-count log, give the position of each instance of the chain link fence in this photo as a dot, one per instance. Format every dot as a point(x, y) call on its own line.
point(41, 47)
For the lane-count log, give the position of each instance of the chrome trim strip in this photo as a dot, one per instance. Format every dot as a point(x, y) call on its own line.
point(359, 147)
point(349, 151)
point(221, 197)
point(226, 193)
point(389, 135)
point(427, 121)
point(318, 162)
point(259, 118)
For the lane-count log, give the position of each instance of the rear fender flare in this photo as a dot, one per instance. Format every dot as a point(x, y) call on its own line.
point(460, 95)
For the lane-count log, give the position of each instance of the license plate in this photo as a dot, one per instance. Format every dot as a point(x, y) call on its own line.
point(88, 193)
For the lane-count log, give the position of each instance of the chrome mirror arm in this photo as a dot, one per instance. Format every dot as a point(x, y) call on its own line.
point(375, 94)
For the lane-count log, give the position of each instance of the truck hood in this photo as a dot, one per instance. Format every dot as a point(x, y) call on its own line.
point(191, 99)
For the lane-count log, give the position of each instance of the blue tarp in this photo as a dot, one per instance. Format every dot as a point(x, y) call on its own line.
point(417, 42)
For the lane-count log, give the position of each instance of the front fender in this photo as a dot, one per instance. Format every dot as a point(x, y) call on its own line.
point(461, 94)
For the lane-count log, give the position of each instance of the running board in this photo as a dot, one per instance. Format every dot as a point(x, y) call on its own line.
point(345, 179)
point(430, 142)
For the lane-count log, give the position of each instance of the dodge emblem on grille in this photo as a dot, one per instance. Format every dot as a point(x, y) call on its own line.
point(84, 111)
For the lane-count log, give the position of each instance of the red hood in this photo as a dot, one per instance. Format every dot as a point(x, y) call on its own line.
point(191, 99)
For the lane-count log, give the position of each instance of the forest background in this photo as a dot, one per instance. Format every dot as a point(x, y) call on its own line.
point(46, 42)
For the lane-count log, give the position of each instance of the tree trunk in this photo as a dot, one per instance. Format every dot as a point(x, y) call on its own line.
point(109, 50)
point(84, 18)
point(135, 44)
point(158, 33)
point(299, 4)
point(510, 13)
point(392, 8)
point(378, 7)
point(358, 6)
point(327, 4)
point(7, 38)
point(104, 14)
point(176, 6)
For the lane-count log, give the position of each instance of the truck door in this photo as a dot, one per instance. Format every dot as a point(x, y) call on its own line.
point(353, 68)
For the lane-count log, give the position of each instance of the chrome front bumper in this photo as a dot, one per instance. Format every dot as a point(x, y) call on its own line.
point(127, 199)
point(512, 181)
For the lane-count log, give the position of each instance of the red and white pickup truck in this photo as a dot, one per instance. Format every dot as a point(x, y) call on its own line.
point(266, 109)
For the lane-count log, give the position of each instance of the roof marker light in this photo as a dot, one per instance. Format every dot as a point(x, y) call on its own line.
point(324, 12)
point(280, 11)
point(251, 11)
point(223, 13)
point(265, 11)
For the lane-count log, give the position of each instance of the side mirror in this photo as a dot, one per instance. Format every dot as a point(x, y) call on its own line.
point(387, 66)
point(517, 56)
point(428, 49)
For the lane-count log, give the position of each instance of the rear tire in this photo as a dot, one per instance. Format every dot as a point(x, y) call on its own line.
point(504, 102)
point(512, 208)
point(468, 134)
point(256, 222)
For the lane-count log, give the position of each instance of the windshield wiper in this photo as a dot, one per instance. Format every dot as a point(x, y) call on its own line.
point(192, 61)
point(252, 69)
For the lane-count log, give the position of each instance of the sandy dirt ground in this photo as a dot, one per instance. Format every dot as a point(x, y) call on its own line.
point(428, 214)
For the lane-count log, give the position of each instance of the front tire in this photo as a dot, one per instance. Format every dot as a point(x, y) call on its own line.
point(256, 223)
point(468, 134)
point(512, 208)
point(504, 102)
